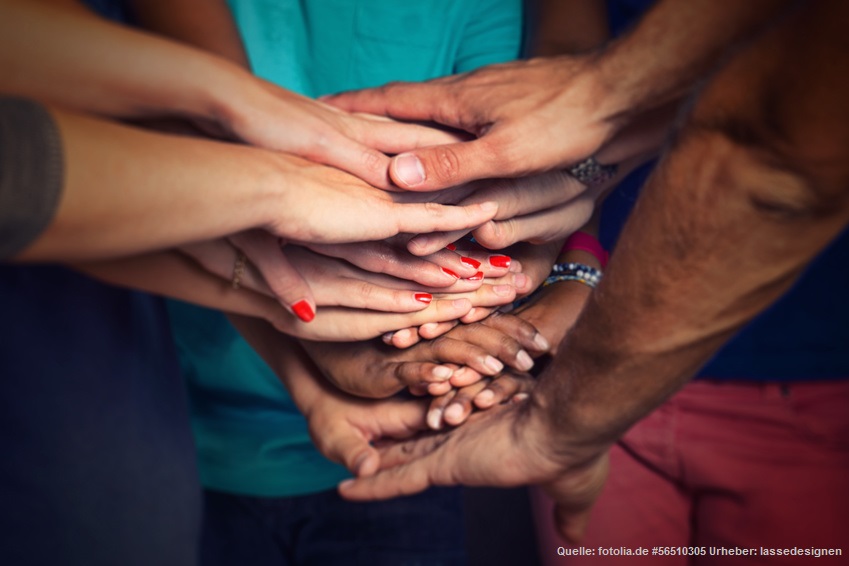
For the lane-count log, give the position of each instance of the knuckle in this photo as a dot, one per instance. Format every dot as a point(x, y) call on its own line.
point(445, 164)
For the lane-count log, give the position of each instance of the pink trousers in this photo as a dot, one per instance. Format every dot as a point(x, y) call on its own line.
point(725, 465)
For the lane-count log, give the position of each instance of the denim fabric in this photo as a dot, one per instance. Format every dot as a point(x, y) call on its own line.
point(322, 529)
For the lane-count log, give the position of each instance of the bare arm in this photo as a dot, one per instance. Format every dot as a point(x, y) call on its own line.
point(547, 113)
point(60, 53)
point(207, 24)
point(151, 191)
point(755, 187)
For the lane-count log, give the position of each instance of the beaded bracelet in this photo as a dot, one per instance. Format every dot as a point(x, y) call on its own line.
point(589, 276)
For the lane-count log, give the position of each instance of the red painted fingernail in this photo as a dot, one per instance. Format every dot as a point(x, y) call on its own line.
point(499, 261)
point(474, 264)
point(451, 273)
point(451, 247)
point(423, 297)
point(303, 310)
point(477, 276)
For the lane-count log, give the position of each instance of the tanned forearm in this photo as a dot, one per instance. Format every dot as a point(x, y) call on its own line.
point(675, 45)
point(755, 187)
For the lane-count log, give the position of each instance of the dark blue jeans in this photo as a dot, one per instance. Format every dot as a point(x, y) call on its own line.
point(323, 529)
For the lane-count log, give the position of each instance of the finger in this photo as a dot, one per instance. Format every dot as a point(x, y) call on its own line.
point(447, 349)
point(348, 446)
point(459, 409)
point(436, 409)
point(390, 136)
point(522, 331)
point(405, 479)
point(438, 389)
point(476, 315)
point(358, 294)
point(402, 339)
point(416, 218)
point(432, 330)
point(538, 228)
point(465, 376)
point(501, 389)
point(381, 257)
point(529, 194)
point(422, 373)
point(349, 155)
point(287, 284)
point(344, 324)
point(487, 295)
point(426, 244)
point(404, 101)
point(443, 166)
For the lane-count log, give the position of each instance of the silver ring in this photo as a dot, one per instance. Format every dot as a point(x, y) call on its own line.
point(591, 173)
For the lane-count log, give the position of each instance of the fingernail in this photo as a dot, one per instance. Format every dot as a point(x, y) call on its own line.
point(449, 272)
point(303, 310)
point(428, 327)
point(489, 206)
point(358, 463)
point(502, 290)
point(524, 361)
point(409, 170)
point(442, 373)
point(519, 397)
point(423, 297)
point(454, 413)
point(499, 261)
point(540, 342)
point(485, 397)
point(477, 276)
point(451, 247)
point(492, 364)
point(420, 241)
point(520, 280)
point(474, 264)
point(387, 338)
point(346, 484)
point(434, 419)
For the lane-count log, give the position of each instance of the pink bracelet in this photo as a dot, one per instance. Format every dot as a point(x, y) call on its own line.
point(586, 243)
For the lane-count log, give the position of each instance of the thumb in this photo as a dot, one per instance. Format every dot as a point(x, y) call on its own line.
point(442, 166)
point(355, 453)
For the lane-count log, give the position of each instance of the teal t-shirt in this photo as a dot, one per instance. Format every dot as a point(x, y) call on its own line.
point(250, 437)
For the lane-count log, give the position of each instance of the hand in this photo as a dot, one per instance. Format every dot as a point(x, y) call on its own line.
point(494, 293)
point(369, 369)
point(311, 203)
point(441, 268)
point(506, 446)
point(287, 275)
point(454, 407)
point(527, 117)
point(343, 427)
point(274, 118)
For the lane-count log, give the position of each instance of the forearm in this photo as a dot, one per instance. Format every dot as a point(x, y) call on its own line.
point(745, 199)
point(128, 191)
point(66, 55)
point(205, 24)
point(675, 45)
point(171, 274)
